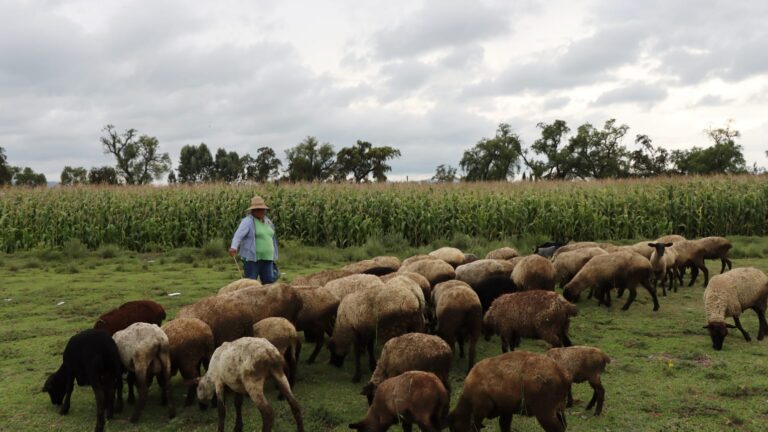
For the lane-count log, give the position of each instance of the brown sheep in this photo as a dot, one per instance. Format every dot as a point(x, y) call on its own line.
point(573, 246)
point(426, 288)
point(282, 334)
point(411, 351)
point(504, 253)
point(275, 300)
point(510, 384)
point(534, 314)
point(567, 264)
point(643, 248)
point(459, 316)
point(434, 270)
point(583, 363)
point(399, 309)
point(672, 238)
point(534, 272)
point(412, 397)
point(238, 284)
point(378, 266)
point(191, 342)
point(227, 319)
point(717, 248)
point(320, 278)
point(316, 316)
point(342, 287)
point(355, 328)
point(413, 259)
point(131, 312)
point(690, 253)
point(451, 255)
point(489, 278)
point(728, 295)
point(662, 262)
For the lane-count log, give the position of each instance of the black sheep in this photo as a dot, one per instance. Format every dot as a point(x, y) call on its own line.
point(91, 358)
point(492, 288)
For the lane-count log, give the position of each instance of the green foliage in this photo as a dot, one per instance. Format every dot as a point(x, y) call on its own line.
point(494, 159)
point(310, 161)
point(27, 177)
point(648, 161)
point(195, 164)
point(102, 176)
point(363, 160)
point(215, 248)
point(108, 251)
point(138, 159)
point(74, 249)
point(558, 161)
point(6, 174)
point(444, 174)
point(723, 157)
point(227, 166)
point(265, 166)
point(72, 176)
point(598, 153)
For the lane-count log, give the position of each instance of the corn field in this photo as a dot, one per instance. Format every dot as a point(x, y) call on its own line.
point(158, 218)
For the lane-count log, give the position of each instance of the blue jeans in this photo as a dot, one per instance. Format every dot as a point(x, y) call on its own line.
point(261, 269)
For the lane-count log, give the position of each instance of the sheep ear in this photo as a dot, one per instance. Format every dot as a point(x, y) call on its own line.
point(667, 244)
point(731, 326)
point(653, 245)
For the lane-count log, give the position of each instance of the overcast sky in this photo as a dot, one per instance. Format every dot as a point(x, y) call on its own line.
point(428, 77)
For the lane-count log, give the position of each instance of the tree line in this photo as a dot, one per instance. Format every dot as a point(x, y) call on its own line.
point(558, 154)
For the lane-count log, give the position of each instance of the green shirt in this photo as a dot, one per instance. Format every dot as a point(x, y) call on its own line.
point(265, 248)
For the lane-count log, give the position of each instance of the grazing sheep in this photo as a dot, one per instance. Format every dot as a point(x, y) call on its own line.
point(144, 352)
point(342, 287)
point(643, 248)
point(672, 238)
point(567, 264)
point(459, 316)
point(573, 246)
point(730, 294)
point(399, 309)
point(451, 255)
point(378, 266)
point(282, 334)
point(534, 272)
point(413, 259)
point(242, 367)
point(583, 363)
point(717, 248)
point(274, 300)
point(409, 352)
point(503, 253)
point(131, 312)
point(434, 270)
point(412, 397)
point(690, 253)
point(468, 258)
point(355, 327)
point(316, 316)
point(321, 278)
point(191, 343)
point(489, 278)
point(534, 314)
point(227, 319)
point(511, 384)
point(661, 263)
point(91, 358)
point(548, 249)
point(238, 284)
point(426, 288)
point(622, 269)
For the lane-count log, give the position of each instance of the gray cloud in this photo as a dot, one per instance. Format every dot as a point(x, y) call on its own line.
point(710, 100)
point(556, 102)
point(639, 93)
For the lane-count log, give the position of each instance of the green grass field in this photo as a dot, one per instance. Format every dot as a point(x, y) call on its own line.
point(664, 374)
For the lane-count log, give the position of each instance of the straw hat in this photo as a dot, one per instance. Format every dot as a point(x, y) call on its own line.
point(257, 203)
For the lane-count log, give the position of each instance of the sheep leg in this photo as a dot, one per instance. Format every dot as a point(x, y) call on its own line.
point(460, 341)
point(607, 296)
point(357, 346)
point(761, 319)
point(222, 411)
point(630, 299)
point(164, 379)
point(566, 340)
point(119, 392)
point(371, 356)
point(238, 412)
point(109, 397)
point(472, 351)
point(552, 422)
point(98, 391)
point(285, 390)
point(408, 427)
point(504, 345)
point(505, 422)
point(70, 383)
point(131, 379)
point(141, 387)
point(647, 285)
point(319, 341)
point(569, 399)
point(741, 329)
point(598, 396)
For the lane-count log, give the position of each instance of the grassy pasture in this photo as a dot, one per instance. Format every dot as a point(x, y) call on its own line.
point(664, 374)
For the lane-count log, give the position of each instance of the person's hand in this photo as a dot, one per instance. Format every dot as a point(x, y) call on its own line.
point(232, 251)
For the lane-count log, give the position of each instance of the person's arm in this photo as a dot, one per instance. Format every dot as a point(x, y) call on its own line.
point(240, 234)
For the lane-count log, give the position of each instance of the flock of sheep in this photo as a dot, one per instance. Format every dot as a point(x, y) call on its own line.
point(419, 310)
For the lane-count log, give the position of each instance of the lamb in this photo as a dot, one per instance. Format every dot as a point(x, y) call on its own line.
point(378, 266)
point(412, 397)
point(489, 278)
point(623, 269)
point(583, 363)
point(342, 287)
point(227, 319)
point(717, 248)
point(503, 253)
point(144, 352)
point(355, 326)
point(662, 263)
point(534, 272)
point(459, 316)
point(451, 255)
point(510, 384)
point(191, 344)
point(690, 253)
point(282, 334)
point(316, 316)
point(728, 295)
point(411, 352)
point(434, 270)
point(399, 309)
point(238, 284)
point(567, 264)
point(548, 249)
point(321, 278)
point(131, 312)
point(91, 358)
point(242, 367)
point(534, 314)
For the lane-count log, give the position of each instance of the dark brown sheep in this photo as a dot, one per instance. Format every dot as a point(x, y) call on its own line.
point(316, 316)
point(192, 345)
point(229, 320)
point(131, 312)
point(459, 316)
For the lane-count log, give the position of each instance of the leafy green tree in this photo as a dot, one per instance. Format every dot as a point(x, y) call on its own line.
point(27, 177)
point(648, 161)
point(444, 174)
point(494, 159)
point(76, 175)
point(6, 173)
point(195, 164)
point(105, 175)
point(598, 153)
point(172, 178)
point(227, 166)
point(265, 166)
point(558, 160)
point(310, 161)
point(723, 157)
point(363, 160)
point(138, 158)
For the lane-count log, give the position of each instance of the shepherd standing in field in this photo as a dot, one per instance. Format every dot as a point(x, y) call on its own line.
point(257, 242)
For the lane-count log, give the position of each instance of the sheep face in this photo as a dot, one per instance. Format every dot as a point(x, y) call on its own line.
point(717, 331)
point(569, 293)
point(487, 329)
point(457, 423)
point(337, 358)
point(205, 390)
point(368, 391)
point(55, 386)
point(659, 247)
point(547, 249)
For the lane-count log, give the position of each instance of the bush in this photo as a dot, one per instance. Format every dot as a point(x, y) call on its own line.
point(74, 249)
point(215, 248)
point(108, 251)
point(49, 255)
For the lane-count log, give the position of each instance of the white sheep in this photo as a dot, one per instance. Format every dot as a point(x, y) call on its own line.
point(728, 295)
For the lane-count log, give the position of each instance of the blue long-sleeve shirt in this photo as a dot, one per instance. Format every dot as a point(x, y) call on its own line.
point(245, 238)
